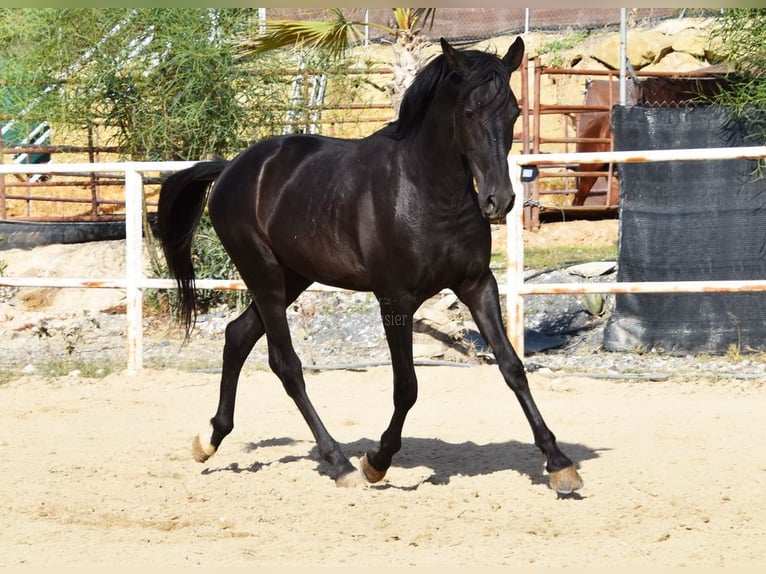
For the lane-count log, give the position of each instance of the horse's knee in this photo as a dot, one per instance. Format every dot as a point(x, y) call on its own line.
point(514, 374)
point(289, 370)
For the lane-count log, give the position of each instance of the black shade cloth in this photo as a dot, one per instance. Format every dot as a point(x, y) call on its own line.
point(692, 220)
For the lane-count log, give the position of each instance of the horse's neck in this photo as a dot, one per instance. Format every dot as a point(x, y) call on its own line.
point(435, 141)
point(434, 152)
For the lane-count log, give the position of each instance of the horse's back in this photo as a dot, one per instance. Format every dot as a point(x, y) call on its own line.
point(308, 200)
point(278, 172)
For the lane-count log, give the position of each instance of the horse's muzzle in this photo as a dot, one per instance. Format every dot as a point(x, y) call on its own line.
point(495, 208)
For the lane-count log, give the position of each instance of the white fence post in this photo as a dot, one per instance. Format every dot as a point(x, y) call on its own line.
point(134, 187)
point(514, 276)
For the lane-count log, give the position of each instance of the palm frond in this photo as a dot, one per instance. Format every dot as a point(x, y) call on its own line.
point(426, 14)
point(333, 36)
point(407, 18)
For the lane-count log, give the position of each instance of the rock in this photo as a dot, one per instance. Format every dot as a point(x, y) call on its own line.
point(714, 52)
point(445, 301)
point(535, 341)
point(592, 269)
point(589, 63)
point(643, 48)
point(675, 62)
point(691, 41)
point(427, 350)
point(432, 315)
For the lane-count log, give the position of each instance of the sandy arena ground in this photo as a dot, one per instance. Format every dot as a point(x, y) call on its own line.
point(99, 472)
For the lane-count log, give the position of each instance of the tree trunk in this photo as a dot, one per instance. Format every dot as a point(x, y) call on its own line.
point(408, 59)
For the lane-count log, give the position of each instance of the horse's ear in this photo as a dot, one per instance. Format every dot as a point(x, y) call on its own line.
point(513, 56)
point(455, 59)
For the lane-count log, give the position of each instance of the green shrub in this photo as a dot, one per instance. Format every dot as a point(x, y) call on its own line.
point(210, 262)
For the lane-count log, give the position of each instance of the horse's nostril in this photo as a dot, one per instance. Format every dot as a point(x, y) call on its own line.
point(495, 208)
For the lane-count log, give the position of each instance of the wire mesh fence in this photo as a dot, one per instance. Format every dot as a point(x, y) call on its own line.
point(305, 106)
point(467, 25)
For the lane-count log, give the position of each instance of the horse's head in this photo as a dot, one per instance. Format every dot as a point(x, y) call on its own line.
point(484, 117)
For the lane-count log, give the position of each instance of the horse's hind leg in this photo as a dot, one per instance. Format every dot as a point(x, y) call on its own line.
point(287, 366)
point(584, 185)
point(241, 335)
point(481, 297)
point(613, 195)
point(267, 285)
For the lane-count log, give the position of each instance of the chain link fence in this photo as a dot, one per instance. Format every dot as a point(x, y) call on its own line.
point(469, 25)
point(313, 102)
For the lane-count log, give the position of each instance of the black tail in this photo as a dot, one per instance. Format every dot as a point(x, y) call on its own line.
point(182, 201)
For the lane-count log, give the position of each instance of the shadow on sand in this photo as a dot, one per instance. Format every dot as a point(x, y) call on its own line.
point(446, 459)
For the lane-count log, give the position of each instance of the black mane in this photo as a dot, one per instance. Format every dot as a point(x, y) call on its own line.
point(484, 68)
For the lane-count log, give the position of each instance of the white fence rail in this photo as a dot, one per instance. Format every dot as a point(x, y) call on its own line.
point(135, 282)
point(516, 288)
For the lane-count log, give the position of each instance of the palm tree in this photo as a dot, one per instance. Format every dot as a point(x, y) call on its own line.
point(408, 49)
point(338, 33)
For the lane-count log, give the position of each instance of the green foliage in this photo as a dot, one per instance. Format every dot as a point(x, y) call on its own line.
point(334, 35)
point(330, 35)
point(210, 262)
point(170, 83)
point(178, 99)
point(565, 43)
point(164, 79)
point(559, 257)
point(554, 48)
point(741, 36)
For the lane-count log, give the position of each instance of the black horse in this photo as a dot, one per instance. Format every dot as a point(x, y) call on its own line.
point(395, 213)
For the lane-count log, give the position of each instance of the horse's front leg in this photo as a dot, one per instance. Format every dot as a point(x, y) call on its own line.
point(396, 315)
point(481, 297)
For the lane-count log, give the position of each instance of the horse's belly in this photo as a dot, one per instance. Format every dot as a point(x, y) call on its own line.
point(324, 262)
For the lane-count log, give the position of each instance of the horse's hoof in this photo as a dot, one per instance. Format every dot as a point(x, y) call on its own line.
point(202, 451)
point(566, 480)
point(351, 479)
point(369, 472)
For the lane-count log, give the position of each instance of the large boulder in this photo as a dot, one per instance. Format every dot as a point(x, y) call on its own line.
point(644, 47)
point(676, 62)
point(691, 41)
